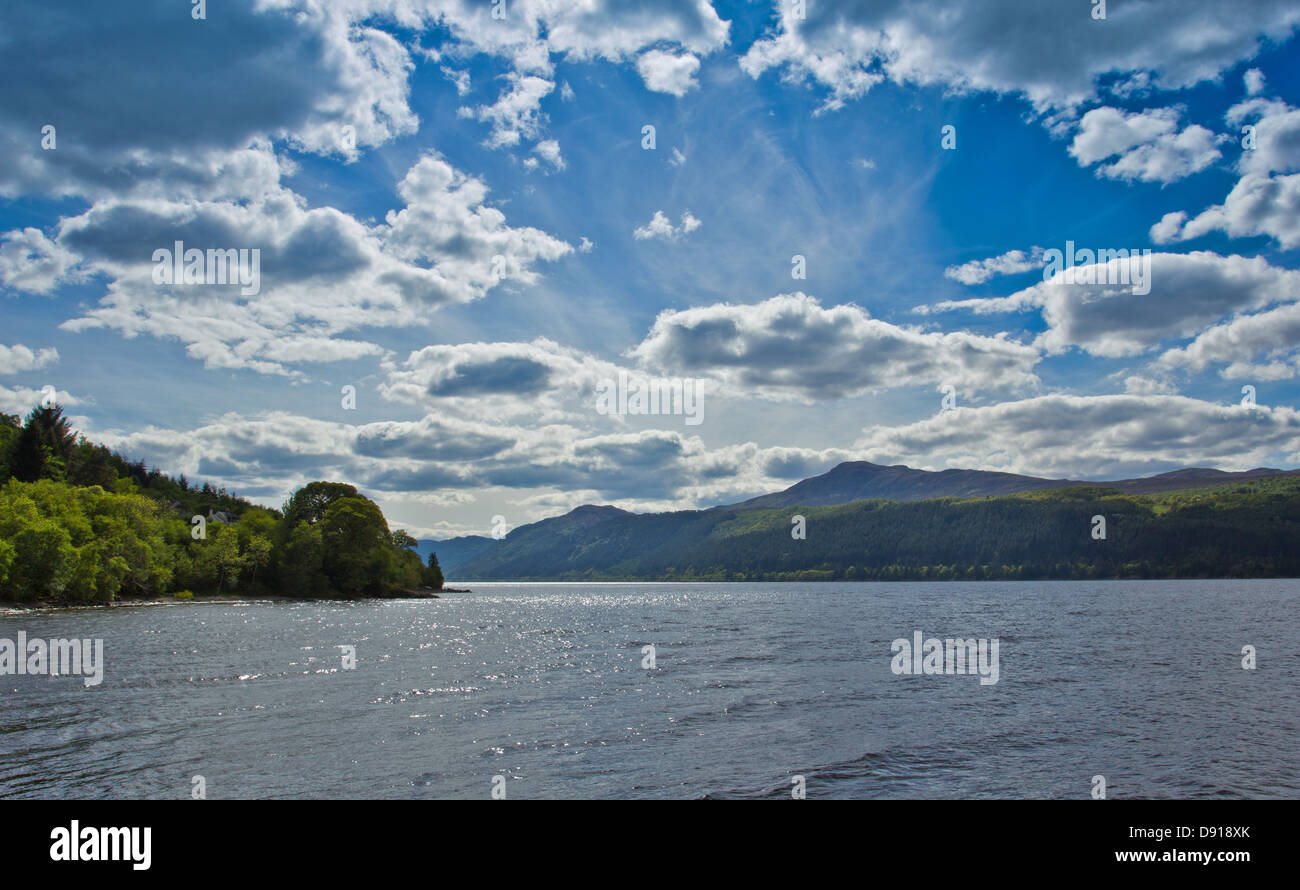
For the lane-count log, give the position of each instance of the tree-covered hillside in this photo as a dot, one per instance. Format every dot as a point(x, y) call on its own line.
point(81, 523)
point(1248, 529)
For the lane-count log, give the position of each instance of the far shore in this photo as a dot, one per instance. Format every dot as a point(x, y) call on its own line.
point(18, 608)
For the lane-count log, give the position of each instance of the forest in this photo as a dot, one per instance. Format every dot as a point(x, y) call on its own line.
point(1243, 530)
point(82, 523)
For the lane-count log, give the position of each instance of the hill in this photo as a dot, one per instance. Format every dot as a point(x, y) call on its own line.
point(1247, 528)
point(863, 480)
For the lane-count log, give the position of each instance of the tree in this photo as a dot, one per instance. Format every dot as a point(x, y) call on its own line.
point(433, 573)
point(43, 447)
point(91, 464)
point(10, 426)
point(358, 558)
point(309, 503)
point(219, 558)
point(301, 562)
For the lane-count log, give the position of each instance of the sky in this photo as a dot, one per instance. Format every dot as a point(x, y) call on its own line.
point(848, 231)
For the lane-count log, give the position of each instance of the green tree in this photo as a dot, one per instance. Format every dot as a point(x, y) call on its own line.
point(433, 573)
point(301, 562)
point(358, 559)
point(43, 446)
point(309, 503)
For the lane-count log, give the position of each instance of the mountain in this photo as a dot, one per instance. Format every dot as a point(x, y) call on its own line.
point(864, 515)
point(456, 552)
point(859, 480)
point(453, 552)
point(1193, 477)
point(862, 480)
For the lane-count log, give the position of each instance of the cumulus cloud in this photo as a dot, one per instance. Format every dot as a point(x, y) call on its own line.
point(459, 78)
point(18, 358)
point(32, 262)
point(549, 151)
point(322, 273)
point(1271, 336)
point(1187, 292)
point(538, 379)
point(21, 399)
point(666, 72)
point(534, 30)
point(1257, 205)
point(174, 107)
point(451, 459)
point(516, 114)
point(1013, 262)
point(1266, 198)
point(660, 226)
point(437, 459)
point(1053, 55)
point(321, 76)
point(790, 347)
point(1147, 146)
point(1089, 436)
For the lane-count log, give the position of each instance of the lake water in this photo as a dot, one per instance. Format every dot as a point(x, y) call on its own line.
point(543, 684)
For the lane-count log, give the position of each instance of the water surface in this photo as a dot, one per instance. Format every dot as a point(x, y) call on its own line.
point(543, 684)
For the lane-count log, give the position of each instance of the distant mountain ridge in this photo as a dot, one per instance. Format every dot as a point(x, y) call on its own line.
point(861, 480)
point(843, 484)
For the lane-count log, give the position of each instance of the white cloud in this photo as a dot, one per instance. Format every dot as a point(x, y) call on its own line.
point(21, 399)
point(18, 358)
point(666, 72)
point(1087, 436)
point(791, 348)
point(1051, 53)
point(1149, 145)
point(1257, 205)
point(322, 272)
point(126, 123)
point(1187, 292)
point(516, 114)
point(31, 262)
point(533, 30)
point(1013, 262)
point(660, 226)
point(549, 151)
point(459, 78)
point(1273, 335)
point(1261, 202)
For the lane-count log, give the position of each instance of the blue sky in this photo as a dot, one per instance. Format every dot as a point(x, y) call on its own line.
point(383, 155)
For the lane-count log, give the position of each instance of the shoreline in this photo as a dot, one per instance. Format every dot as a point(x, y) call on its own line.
point(41, 606)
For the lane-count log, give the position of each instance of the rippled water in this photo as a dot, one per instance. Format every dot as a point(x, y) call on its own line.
point(542, 683)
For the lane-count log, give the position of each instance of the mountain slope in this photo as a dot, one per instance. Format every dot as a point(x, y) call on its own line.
point(861, 480)
point(1244, 529)
point(596, 541)
point(454, 552)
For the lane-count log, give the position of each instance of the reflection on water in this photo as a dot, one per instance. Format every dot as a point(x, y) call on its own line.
point(753, 684)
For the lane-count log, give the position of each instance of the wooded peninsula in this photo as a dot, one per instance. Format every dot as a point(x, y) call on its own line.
point(80, 523)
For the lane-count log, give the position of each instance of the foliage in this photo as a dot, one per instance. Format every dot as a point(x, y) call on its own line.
point(1238, 530)
point(79, 522)
point(432, 575)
